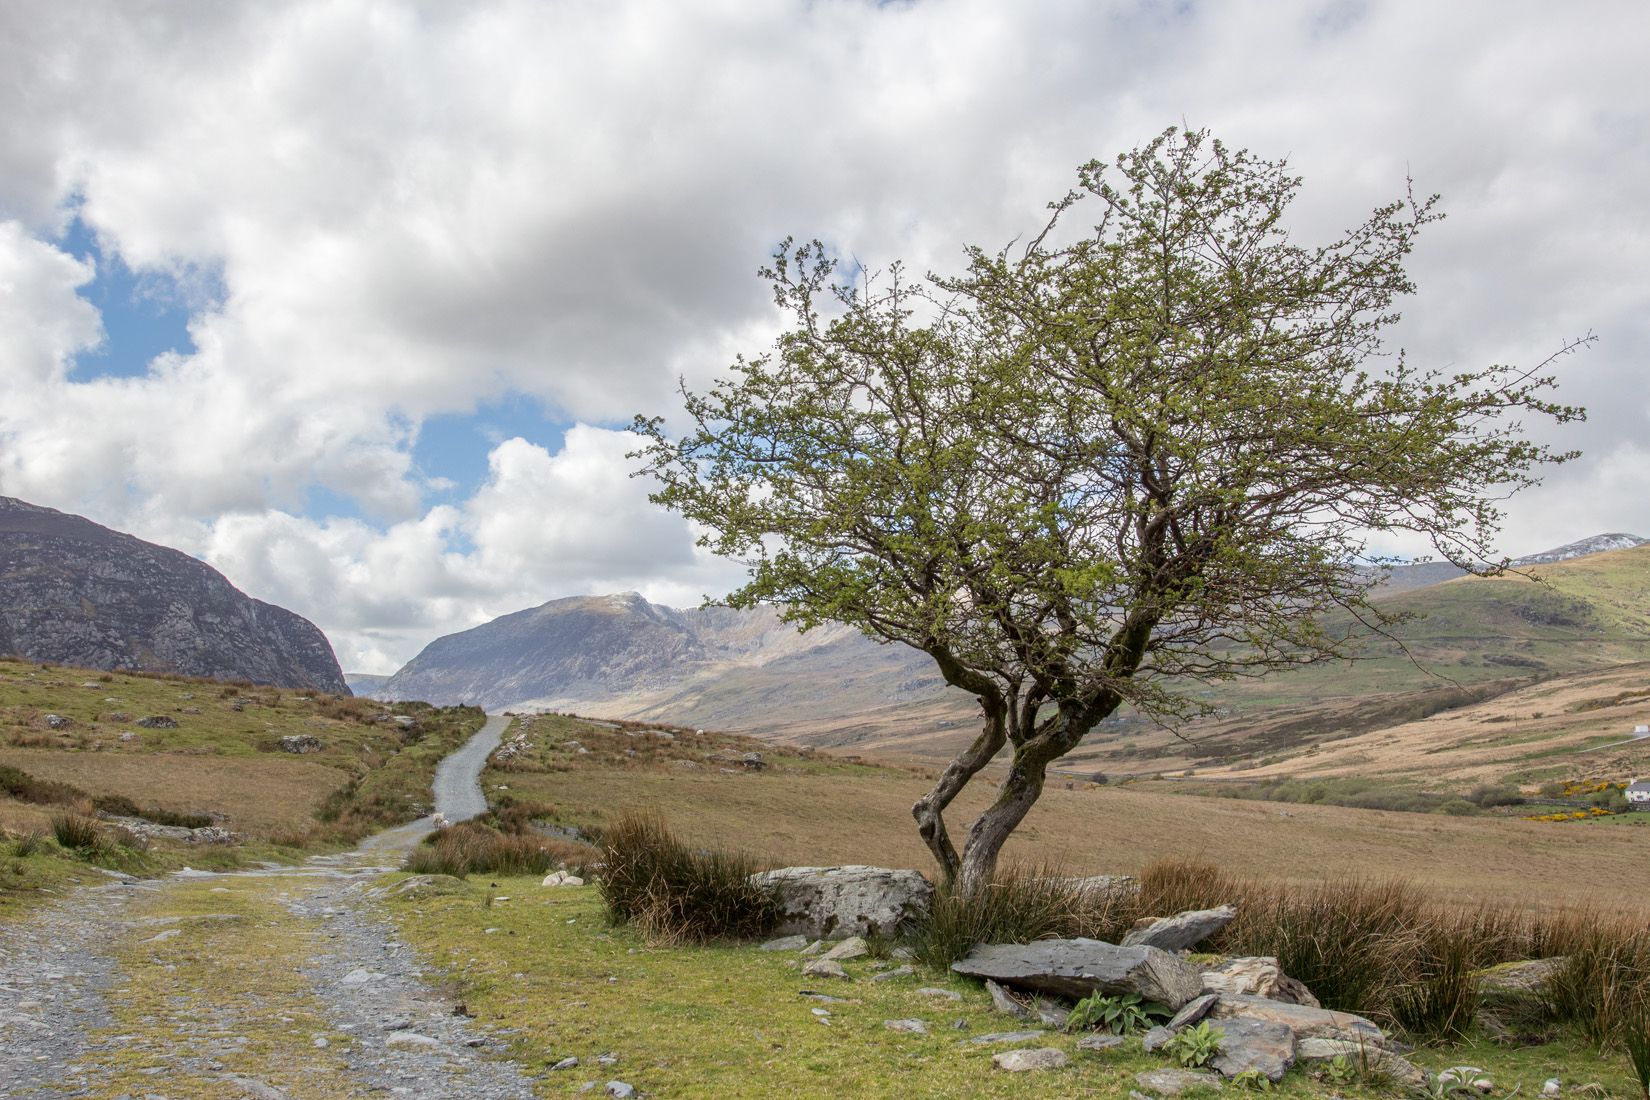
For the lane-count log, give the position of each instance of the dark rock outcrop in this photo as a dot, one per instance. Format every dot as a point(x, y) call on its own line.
point(73, 592)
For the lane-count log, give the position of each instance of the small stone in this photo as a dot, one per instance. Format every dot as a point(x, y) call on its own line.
point(814, 948)
point(851, 948)
point(158, 722)
point(566, 1063)
point(1180, 931)
point(1100, 1042)
point(1173, 1082)
point(897, 972)
point(1156, 1039)
point(959, 1024)
point(1193, 1011)
point(321, 1042)
point(358, 976)
point(785, 943)
point(561, 878)
point(298, 743)
point(619, 1089)
point(1019, 1061)
point(902, 952)
point(825, 968)
point(1551, 1086)
point(1002, 1002)
point(1254, 1044)
point(56, 721)
point(823, 998)
point(607, 1059)
point(913, 1027)
point(948, 994)
point(1005, 1037)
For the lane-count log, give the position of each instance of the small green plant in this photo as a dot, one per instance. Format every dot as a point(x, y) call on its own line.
point(1118, 1015)
point(1195, 1046)
point(1252, 1080)
point(27, 844)
point(1458, 1080)
point(1340, 1072)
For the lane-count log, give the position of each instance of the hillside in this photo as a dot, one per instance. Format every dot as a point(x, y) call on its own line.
point(74, 592)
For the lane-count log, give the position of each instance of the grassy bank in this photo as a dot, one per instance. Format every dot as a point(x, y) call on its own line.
point(729, 1021)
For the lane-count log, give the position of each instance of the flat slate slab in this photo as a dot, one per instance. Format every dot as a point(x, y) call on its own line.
point(1247, 1044)
point(1073, 969)
point(1306, 1023)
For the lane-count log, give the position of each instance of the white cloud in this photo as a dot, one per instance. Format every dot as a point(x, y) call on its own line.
point(415, 208)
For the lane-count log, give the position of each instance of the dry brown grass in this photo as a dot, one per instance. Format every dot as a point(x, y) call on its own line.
point(257, 796)
point(865, 818)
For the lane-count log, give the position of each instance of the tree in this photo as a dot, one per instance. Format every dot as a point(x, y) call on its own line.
point(1101, 467)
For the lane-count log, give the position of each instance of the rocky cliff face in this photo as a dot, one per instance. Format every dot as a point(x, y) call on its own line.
point(76, 593)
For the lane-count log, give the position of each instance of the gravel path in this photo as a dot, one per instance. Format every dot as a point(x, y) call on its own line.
point(282, 982)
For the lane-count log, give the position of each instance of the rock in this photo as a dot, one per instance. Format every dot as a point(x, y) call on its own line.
point(566, 1063)
point(158, 722)
point(1076, 968)
point(619, 1089)
point(1404, 1073)
point(1306, 1023)
point(897, 972)
point(1019, 1061)
point(1051, 1013)
point(785, 943)
point(1156, 1039)
point(1005, 1037)
point(300, 743)
point(1182, 930)
point(902, 952)
point(814, 948)
point(852, 900)
point(400, 1023)
point(57, 721)
point(1002, 1002)
point(358, 976)
point(414, 1040)
point(825, 998)
point(1531, 976)
point(1247, 1044)
point(912, 1027)
point(405, 721)
point(1552, 1086)
point(420, 885)
point(1100, 1042)
point(851, 948)
point(561, 878)
point(1258, 976)
point(1193, 1011)
point(1173, 1082)
point(825, 968)
point(687, 764)
point(948, 994)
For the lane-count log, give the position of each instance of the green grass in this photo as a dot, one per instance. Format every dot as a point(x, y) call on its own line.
point(728, 1021)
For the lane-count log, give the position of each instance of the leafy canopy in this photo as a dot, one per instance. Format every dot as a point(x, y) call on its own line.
point(1090, 469)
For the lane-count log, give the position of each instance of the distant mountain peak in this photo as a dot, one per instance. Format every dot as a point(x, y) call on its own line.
point(1597, 544)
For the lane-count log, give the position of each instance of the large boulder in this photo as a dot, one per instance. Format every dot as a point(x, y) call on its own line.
point(1075, 968)
point(1258, 976)
point(1306, 1023)
point(846, 901)
point(1181, 930)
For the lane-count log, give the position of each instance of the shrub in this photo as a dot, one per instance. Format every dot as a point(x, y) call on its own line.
point(677, 895)
point(1636, 1037)
point(43, 792)
point(471, 847)
point(76, 833)
point(116, 804)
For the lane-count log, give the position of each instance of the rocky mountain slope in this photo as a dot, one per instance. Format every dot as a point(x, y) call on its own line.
point(744, 671)
point(76, 593)
point(622, 656)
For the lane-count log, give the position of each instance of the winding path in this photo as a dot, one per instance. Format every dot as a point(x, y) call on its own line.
point(284, 983)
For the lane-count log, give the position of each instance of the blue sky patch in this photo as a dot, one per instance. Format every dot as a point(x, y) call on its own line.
point(455, 446)
point(145, 314)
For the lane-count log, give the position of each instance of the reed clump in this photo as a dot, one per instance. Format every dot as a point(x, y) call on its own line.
point(675, 894)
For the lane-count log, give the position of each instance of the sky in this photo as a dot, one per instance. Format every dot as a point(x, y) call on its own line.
point(353, 299)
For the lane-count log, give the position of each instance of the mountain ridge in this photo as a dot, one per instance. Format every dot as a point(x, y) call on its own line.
point(77, 593)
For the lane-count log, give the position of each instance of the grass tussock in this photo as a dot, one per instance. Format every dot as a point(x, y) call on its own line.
point(471, 847)
point(1383, 949)
point(678, 895)
point(77, 833)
